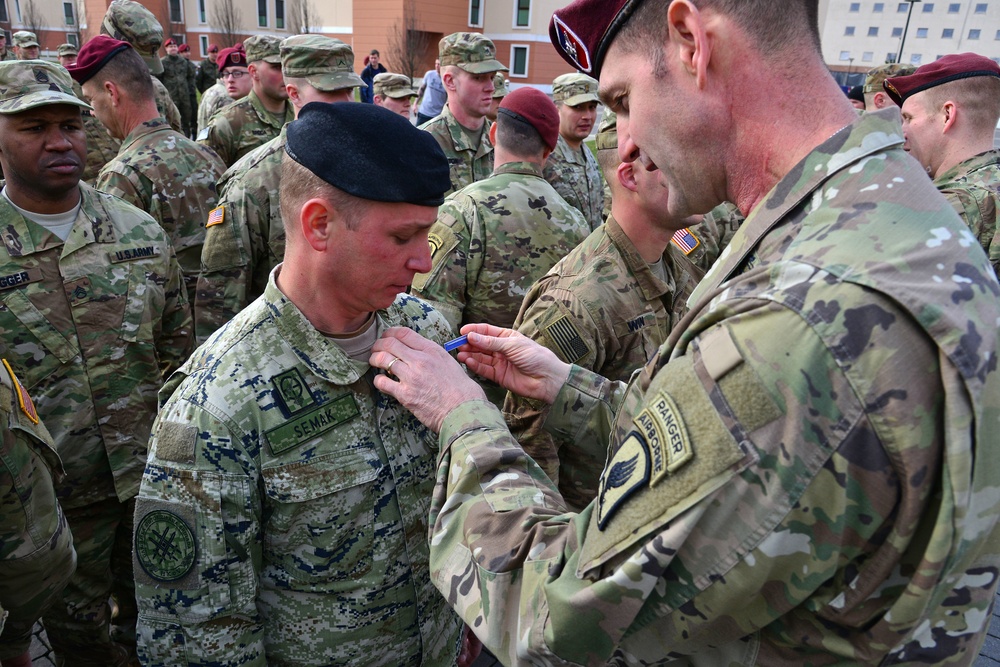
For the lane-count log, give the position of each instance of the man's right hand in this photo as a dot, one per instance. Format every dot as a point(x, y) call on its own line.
point(513, 361)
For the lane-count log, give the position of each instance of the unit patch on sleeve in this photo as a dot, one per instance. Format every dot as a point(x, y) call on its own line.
point(626, 473)
point(164, 545)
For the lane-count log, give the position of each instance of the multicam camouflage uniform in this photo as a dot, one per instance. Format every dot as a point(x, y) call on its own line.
point(833, 386)
point(973, 188)
point(575, 175)
point(101, 146)
point(212, 100)
point(469, 162)
point(294, 498)
point(173, 179)
point(165, 105)
point(603, 308)
point(36, 547)
point(92, 322)
point(179, 84)
point(241, 127)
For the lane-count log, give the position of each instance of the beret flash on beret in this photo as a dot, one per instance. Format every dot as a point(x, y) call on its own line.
point(535, 108)
point(234, 56)
point(369, 152)
point(944, 69)
point(583, 31)
point(94, 55)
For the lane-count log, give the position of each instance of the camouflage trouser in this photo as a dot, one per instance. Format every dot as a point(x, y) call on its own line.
point(80, 625)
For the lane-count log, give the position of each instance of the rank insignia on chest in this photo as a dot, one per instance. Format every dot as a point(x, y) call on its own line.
point(626, 472)
point(24, 401)
point(216, 216)
point(685, 241)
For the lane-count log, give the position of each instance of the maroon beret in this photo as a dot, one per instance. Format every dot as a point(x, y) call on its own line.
point(947, 68)
point(536, 109)
point(94, 55)
point(184, 48)
point(583, 31)
point(233, 56)
point(214, 48)
point(169, 42)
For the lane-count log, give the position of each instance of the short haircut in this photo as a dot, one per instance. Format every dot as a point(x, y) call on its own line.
point(299, 185)
point(374, 52)
point(129, 72)
point(608, 160)
point(978, 98)
point(519, 137)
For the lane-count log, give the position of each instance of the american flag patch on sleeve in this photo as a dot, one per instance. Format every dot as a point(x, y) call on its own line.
point(685, 240)
point(216, 216)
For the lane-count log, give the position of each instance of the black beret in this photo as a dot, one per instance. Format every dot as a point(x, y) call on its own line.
point(369, 152)
point(856, 93)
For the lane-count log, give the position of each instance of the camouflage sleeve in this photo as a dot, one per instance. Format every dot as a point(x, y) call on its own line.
point(223, 283)
point(166, 106)
point(716, 514)
point(197, 544)
point(175, 341)
point(455, 257)
point(966, 204)
point(121, 184)
point(219, 137)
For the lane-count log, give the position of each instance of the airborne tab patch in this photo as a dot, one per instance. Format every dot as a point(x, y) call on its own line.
point(19, 278)
point(567, 339)
point(312, 424)
point(132, 254)
point(627, 472)
point(669, 445)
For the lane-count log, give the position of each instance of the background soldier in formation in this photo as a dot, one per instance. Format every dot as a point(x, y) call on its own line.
point(500, 91)
point(94, 311)
point(25, 45)
point(572, 169)
point(67, 54)
point(208, 70)
point(245, 236)
point(5, 52)
point(394, 92)
point(178, 79)
point(233, 85)
point(875, 96)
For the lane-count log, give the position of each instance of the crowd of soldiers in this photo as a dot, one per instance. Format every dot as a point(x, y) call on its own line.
point(724, 390)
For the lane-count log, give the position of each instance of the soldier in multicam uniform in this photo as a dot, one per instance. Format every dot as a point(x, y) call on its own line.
point(36, 547)
point(5, 53)
point(245, 237)
point(130, 22)
point(493, 239)
point(234, 84)
point(157, 169)
point(25, 45)
point(572, 169)
point(950, 110)
point(500, 91)
point(394, 92)
point(875, 96)
point(282, 518)
point(803, 474)
point(93, 309)
point(253, 121)
point(208, 70)
point(67, 54)
point(607, 307)
point(179, 84)
point(468, 63)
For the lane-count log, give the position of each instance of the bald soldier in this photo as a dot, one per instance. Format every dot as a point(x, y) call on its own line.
point(394, 92)
point(244, 236)
point(950, 110)
point(803, 473)
point(875, 96)
point(572, 169)
point(468, 63)
point(295, 496)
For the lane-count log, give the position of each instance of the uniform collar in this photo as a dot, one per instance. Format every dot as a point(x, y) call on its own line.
point(526, 168)
point(91, 226)
point(265, 116)
point(966, 167)
point(651, 286)
point(458, 134)
point(158, 124)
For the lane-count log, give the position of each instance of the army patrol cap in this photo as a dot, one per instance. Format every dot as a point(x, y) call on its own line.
point(369, 152)
point(94, 55)
point(500, 88)
point(469, 51)
point(532, 106)
point(574, 88)
point(26, 84)
point(396, 86)
point(326, 63)
point(130, 22)
point(24, 38)
point(66, 50)
point(263, 47)
point(877, 75)
point(943, 70)
point(607, 131)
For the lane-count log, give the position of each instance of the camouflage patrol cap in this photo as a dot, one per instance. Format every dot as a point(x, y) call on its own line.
point(263, 47)
point(574, 88)
point(130, 22)
point(500, 88)
point(396, 86)
point(66, 50)
point(471, 52)
point(607, 131)
point(877, 75)
point(326, 63)
point(24, 38)
point(26, 84)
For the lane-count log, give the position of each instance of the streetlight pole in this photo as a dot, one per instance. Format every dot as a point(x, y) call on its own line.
point(850, 70)
point(899, 56)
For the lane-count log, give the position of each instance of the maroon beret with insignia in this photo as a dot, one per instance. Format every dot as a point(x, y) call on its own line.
point(533, 107)
point(947, 68)
point(214, 48)
point(94, 55)
point(583, 31)
point(170, 42)
point(234, 56)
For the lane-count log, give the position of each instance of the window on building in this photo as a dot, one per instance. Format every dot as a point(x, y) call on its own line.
point(202, 14)
point(916, 58)
point(849, 31)
point(262, 13)
point(897, 32)
point(873, 31)
point(68, 13)
point(867, 56)
point(176, 12)
point(845, 55)
point(3, 12)
point(17, 10)
point(902, 8)
point(998, 35)
point(922, 33)
point(279, 14)
point(954, 7)
point(73, 38)
point(522, 18)
point(928, 7)
point(519, 60)
point(855, 7)
point(974, 33)
point(475, 14)
point(203, 44)
point(878, 8)
point(980, 7)
point(890, 57)
point(948, 33)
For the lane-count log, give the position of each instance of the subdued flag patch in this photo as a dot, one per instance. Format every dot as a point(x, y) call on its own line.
point(564, 335)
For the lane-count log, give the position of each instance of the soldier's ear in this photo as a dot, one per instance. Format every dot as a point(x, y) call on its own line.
point(316, 218)
point(493, 134)
point(114, 93)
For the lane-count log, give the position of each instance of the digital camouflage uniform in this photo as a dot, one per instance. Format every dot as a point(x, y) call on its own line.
point(576, 176)
point(173, 179)
point(179, 84)
point(603, 308)
point(207, 76)
point(91, 323)
point(283, 513)
point(241, 127)
point(36, 547)
point(836, 391)
point(973, 188)
point(468, 163)
point(212, 100)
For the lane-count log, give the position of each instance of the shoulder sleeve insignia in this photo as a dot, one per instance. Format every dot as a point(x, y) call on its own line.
point(570, 345)
point(626, 472)
point(216, 216)
point(685, 241)
point(23, 400)
point(164, 545)
point(666, 437)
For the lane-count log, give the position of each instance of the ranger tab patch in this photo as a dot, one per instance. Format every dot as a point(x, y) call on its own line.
point(669, 445)
point(164, 545)
point(23, 400)
point(627, 472)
